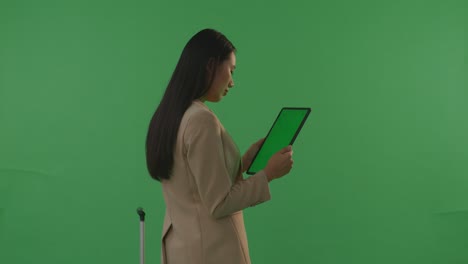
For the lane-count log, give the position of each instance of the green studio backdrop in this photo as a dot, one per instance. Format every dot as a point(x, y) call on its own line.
point(381, 165)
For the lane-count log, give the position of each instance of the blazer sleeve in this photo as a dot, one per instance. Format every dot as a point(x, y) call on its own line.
point(205, 158)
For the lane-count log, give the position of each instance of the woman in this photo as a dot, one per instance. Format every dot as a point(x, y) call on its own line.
point(198, 164)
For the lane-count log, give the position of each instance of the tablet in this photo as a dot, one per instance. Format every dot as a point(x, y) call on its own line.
point(284, 131)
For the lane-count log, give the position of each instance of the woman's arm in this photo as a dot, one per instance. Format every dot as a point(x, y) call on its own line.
point(205, 157)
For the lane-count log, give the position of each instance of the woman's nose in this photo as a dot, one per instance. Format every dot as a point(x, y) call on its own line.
point(231, 84)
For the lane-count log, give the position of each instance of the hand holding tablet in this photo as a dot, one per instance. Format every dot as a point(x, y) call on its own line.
point(279, 164)
point(283, 133)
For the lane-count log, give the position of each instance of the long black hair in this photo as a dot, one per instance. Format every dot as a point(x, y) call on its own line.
point(190, 81)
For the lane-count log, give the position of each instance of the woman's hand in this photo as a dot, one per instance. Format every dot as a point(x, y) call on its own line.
point(279, 164)
point(249, 155)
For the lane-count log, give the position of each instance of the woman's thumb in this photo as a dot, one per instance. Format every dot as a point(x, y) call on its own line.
point(286, 149)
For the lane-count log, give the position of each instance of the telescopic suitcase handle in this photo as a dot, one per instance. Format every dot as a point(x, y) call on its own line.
point(141, 213)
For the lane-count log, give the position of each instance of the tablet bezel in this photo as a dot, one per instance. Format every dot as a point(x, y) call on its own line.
point(271, 128)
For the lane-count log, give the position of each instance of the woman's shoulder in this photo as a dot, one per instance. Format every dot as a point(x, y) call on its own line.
point(198, 111)
point(199, 119)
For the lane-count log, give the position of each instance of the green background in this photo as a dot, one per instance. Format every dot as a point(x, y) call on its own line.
point(381, 166)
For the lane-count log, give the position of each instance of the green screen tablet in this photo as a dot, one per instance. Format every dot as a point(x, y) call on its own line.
point(284, 131)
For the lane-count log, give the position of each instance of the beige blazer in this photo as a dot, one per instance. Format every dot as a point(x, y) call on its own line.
point(206, 193)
